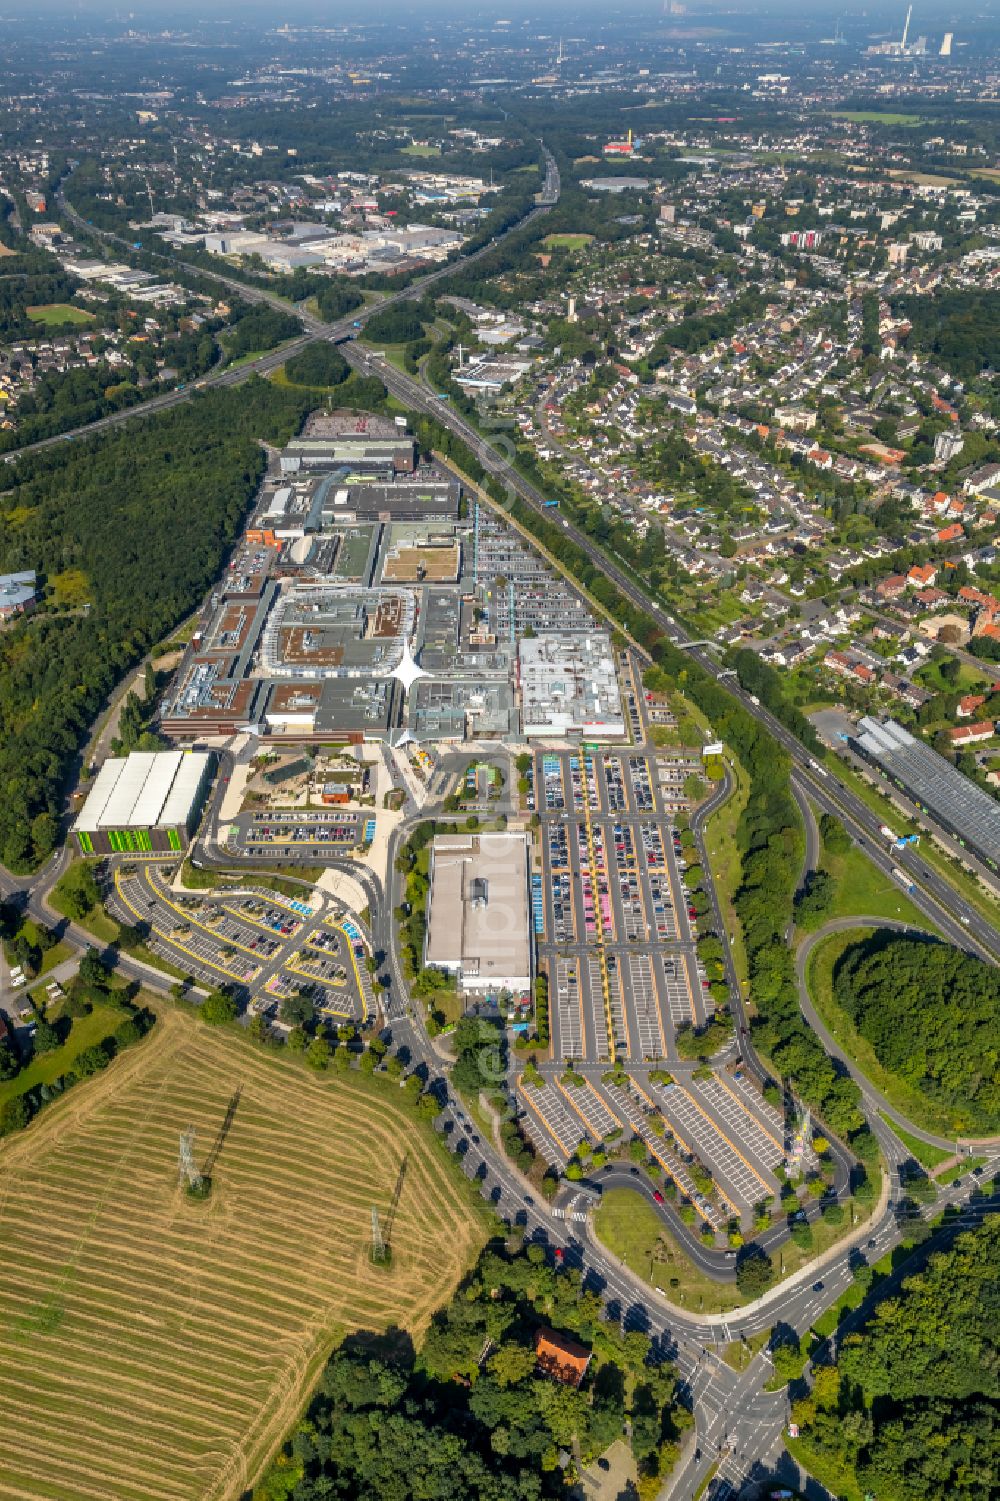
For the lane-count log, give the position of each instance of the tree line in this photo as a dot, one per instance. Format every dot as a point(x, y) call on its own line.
point(139, 519)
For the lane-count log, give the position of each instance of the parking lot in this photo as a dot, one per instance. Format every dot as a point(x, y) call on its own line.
point(263, 944)
point(617, 935)
point(719, 1130)
point(313, 832)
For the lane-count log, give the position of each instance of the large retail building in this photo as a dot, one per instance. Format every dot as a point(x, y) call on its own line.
point(147, 801)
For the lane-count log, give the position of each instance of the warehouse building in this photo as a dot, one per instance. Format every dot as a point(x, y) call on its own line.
point(147, 801)
point(569, 687)
point(956, 803)
point(478, 926)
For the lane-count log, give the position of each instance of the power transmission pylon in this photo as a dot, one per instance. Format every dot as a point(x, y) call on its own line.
point(378, 1244)
point(390, 1218)
point(187, 1171)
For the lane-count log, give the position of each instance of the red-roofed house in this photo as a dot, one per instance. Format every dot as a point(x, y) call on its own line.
point(892, 587)
point(922, 574)
point(971, 734)
point(951, 533)
point(561, 1358)
point(968, 705)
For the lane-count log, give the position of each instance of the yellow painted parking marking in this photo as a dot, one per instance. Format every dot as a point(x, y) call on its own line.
point(193, 922)
point(182, 948)
point(550, 1129)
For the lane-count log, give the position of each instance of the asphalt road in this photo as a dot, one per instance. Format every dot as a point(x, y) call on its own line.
point(732, 1411)
point(315, 328)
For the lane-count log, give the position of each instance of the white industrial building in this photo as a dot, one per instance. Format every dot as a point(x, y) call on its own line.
point(569, 687)
point(478, 920)
point(147, 801)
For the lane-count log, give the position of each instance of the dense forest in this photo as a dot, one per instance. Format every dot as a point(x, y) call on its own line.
point(320, 364)
point(911, 1410)
point(470, 1418)
point(31, 278)
point(932, 1015)
point(127, 530)
point(960, 328)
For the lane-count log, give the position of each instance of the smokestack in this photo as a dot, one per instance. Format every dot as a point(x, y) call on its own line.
point(906, 28)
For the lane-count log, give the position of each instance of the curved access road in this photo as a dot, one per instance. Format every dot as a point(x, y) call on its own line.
point(874, 1099)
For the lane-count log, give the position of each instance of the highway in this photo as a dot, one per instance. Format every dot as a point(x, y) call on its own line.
point(954, 915)
point(315, 328)
point(738, 1425)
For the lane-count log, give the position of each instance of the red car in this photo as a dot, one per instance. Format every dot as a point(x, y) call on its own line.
point(657, 1196)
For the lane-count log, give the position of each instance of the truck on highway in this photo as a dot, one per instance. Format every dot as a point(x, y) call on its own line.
point(903, 879)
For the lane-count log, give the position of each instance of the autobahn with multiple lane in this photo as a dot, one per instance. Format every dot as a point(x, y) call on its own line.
point(738, 1425)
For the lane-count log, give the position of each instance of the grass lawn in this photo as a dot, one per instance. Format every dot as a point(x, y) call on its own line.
point(53, 314)
point(824, 1468)
point(725, 864)
point(414, 150)
point(97, 921)
point(567, 241)
point(85, 1032)
point(258, 354)
point(865, 891)
point(952, 1174)
point(631, 1229)
point(909, 1101)
point(741, 1352)
point(928, 1156)
point(276, 878)
point(969, 679)
point(963, 880)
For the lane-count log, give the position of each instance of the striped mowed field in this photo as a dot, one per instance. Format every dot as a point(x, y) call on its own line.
point(154, 1348)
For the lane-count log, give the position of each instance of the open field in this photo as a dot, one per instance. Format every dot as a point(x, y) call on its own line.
point(865, 891)
point(157, 1348)
point(876, 117)
point(52, 314)
point(923, 179)
point(567, 241)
